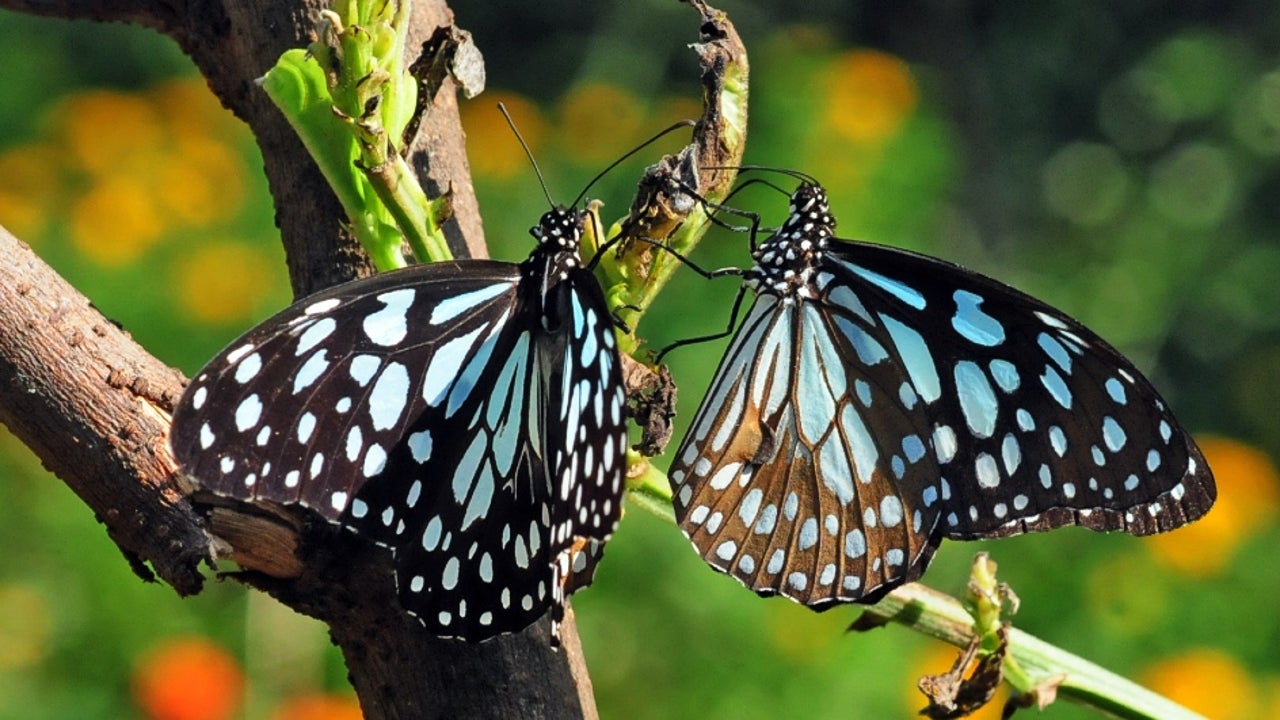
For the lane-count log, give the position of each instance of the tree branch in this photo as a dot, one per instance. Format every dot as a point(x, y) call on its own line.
point(94, 406)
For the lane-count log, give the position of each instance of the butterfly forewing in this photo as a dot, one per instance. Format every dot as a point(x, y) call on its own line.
point(876, 400)
point(324, 389)
point(466, 415)
point(1036, 421)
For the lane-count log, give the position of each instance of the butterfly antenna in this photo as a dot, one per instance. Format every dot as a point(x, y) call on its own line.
point(632, 151)
point(527, 153)
point(796, 174)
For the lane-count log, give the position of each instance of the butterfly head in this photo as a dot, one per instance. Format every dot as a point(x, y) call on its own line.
point(785, 261)
point(559, 235)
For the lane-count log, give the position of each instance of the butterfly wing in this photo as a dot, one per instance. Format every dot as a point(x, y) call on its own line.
point(898, 399)
point(586, 423)
point(782, 481)
point(407, 407)
point(1036, 421)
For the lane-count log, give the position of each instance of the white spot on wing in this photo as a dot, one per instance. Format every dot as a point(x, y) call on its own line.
point(388, 326)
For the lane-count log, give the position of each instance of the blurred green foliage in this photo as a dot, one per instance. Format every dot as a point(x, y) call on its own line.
point(1120, 160)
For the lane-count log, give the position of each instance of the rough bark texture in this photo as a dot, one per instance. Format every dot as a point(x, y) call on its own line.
point(95, 407)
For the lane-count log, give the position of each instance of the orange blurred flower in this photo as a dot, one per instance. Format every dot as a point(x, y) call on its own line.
point(189, 105)
point(869, 95)
point(1206, 681)
point(188, 679)
point(319, 707)
point(223, 282)
point(1248, 491)
point(491, 146)
point(599, 122)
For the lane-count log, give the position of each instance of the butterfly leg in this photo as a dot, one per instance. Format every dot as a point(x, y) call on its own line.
point(728, 330)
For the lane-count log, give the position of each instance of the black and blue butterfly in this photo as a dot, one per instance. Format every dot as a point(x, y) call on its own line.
point(874, 401)
point(467, 415)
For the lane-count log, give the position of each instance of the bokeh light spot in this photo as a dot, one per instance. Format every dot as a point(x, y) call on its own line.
point(869, 95)
point(223, 282)
point(1205, 681)
point(319, 707)
point(492, 148)
point(596, 120)
point(1194, 185)
point(1248, 490)
point(188, 679)
point(25, 623)
point(1201, 70)
point(1085, 183)
point(30, 189)
point(115, 221)
point(1256, 120)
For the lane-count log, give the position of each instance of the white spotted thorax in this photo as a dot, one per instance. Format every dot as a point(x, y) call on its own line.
point(470, 416)
point(875, 401)
point(785, 262)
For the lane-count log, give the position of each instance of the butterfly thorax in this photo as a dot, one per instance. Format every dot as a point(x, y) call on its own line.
point(785, 262)
point(559, 235)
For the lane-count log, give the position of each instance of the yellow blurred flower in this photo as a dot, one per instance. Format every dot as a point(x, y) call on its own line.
point(936, 660)
point(110, 133)
point(599, 122)
point(869, 96)
point(1248, 491)
point(25, 625)
point(1206, 681)
point(223, 282)
point(201, 182)
point(29, 187)
point(492, 148)
point(188, 105)
point(115, 220)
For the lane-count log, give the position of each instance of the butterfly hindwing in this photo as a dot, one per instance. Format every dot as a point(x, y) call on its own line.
point(783, 485)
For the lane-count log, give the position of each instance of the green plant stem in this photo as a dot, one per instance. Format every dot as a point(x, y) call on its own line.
point(1031, 661)
point(398, 189)
point(940, 616)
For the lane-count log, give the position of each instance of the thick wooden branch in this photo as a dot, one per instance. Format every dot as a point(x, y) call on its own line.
point(94, 406)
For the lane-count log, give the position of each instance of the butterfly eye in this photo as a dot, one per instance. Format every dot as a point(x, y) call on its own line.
point(874, 401)
point(467, 416)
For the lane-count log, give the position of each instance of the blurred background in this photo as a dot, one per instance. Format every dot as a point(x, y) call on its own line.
point(1120, 160)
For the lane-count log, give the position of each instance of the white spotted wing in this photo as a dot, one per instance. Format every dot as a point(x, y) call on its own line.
point(426, 410)
point(875, 401)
